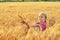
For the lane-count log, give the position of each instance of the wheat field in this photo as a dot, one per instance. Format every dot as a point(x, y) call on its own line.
point(11, 27)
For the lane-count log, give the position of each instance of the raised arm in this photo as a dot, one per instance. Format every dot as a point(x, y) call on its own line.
point(35, 25)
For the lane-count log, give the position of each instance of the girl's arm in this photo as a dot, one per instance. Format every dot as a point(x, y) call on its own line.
point(35, 25)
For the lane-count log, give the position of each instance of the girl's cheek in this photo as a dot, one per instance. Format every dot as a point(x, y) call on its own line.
point(43, 20)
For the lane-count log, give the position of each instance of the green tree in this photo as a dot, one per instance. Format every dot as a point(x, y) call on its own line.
point(20, 0)
point(53, 0)
point(2, 0)
point(43, 0)
point(11, 0)
point(31, 0)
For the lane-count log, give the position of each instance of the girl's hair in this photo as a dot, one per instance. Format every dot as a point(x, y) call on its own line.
point(43, 15)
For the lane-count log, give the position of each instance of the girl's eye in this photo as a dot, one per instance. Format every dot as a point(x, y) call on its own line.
point(41, 16)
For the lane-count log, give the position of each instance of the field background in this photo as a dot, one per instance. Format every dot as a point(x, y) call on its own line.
point(10, 22)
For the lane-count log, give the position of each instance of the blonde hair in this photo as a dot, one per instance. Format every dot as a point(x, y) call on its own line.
point(42, 13)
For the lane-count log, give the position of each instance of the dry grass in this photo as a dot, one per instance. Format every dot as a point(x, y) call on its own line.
point(10, 22)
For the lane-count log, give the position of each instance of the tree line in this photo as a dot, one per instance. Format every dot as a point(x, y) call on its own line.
point(25, 0)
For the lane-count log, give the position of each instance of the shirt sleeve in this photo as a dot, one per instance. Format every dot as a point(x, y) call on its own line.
point(37, 22)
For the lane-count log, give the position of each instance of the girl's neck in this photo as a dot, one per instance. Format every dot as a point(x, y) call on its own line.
point(42, 22)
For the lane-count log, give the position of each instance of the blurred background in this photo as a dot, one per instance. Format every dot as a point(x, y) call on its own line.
point(26, 0)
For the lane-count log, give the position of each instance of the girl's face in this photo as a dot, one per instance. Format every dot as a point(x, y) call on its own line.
point(42, 18)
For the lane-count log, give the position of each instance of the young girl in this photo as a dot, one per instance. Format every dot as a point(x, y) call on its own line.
point(42, 21)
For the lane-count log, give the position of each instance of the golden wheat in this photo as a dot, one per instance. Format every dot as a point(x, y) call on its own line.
point(11, 27)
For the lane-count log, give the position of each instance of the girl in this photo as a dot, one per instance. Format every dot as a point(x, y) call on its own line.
point(42, 21)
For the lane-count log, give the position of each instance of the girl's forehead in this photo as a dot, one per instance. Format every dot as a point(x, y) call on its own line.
point(41, 15)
